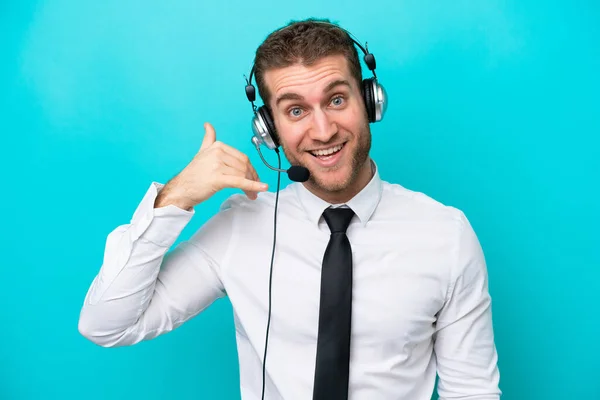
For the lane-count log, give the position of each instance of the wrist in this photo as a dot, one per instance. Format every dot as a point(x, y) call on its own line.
point(171, 196)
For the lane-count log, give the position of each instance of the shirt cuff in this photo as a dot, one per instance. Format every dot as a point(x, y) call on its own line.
point(161, 226)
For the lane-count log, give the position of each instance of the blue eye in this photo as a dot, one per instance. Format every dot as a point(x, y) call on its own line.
point(337, 101)
point(296, 112)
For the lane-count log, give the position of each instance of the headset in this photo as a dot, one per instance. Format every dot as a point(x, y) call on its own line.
point(265, 134)
point(374, 95)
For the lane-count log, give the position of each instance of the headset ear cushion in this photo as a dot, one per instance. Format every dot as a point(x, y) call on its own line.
point(268, 119)
point(369, 98)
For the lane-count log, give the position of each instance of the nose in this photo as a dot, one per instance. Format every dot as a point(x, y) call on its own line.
point(323, 127)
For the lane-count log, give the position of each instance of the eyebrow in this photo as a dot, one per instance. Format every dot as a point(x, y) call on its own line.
point(295, 96)
point(288, 96)
point(336, 83)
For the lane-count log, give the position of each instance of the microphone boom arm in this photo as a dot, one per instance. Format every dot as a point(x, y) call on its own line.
point(263, 159)
point(296, 173)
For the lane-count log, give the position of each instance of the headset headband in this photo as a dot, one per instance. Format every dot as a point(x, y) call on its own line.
point(368, 58)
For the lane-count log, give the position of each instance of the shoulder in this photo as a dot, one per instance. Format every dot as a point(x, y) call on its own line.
point(398, 201)
point(444, 227)
point(240, 205)
point(238, 214)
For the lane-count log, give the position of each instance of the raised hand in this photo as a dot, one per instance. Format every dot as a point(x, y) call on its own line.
point(216, 166)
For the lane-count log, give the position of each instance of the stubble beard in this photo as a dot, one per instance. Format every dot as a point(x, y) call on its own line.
point(358, 159)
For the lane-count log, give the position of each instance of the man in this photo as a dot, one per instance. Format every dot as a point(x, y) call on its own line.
point(401, 288)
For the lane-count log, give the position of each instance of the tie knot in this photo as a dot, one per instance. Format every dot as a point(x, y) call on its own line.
point(338, 219)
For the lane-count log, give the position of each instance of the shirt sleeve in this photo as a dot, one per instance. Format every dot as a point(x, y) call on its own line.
point(142, 290)
point(464, 339)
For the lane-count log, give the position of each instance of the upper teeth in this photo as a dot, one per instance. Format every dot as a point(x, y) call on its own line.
point(328, 151)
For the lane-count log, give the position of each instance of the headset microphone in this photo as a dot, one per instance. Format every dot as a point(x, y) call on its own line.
point(296, 173)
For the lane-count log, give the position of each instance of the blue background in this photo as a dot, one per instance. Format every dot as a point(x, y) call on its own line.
point(493, 109)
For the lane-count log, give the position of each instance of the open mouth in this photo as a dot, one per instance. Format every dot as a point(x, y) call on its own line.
point(329, 153)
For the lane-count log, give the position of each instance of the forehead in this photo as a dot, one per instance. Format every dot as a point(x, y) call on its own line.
point(301, 79)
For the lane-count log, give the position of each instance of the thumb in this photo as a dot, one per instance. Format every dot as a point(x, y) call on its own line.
point(210, 136)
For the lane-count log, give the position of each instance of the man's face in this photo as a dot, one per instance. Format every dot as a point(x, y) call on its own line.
point(322, 124)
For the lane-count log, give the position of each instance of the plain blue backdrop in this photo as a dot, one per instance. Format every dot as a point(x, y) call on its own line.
point(493, 109)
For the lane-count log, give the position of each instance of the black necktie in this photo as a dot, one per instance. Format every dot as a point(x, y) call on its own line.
point(333, 344)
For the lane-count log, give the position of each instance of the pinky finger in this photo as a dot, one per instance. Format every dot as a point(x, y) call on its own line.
point(247, 185)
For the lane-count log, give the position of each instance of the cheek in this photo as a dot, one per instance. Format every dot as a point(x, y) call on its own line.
point(290, 136)
point(351, 121)
point(357, 117)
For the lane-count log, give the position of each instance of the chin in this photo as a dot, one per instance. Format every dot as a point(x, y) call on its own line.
point(332, 180)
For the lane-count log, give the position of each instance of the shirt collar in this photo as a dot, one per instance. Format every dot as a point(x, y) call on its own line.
point(363, 204)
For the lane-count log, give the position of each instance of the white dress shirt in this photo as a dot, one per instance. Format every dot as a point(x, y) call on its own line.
point(420, 293)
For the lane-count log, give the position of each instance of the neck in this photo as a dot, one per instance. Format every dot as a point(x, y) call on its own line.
point(361, 180)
